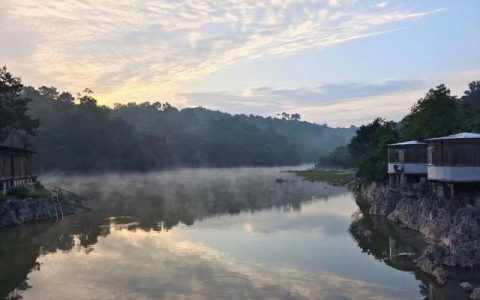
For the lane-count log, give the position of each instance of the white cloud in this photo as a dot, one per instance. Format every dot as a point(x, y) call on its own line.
point(335, 104)
point(382, 4)
point(124, 49)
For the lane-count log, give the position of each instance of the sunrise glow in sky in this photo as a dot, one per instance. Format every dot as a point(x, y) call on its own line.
point(339, 62)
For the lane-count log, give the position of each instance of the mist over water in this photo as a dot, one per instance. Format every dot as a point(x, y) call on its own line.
point(190, 194)
point(206, 234)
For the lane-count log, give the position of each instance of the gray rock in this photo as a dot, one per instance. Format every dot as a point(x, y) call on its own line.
point(440, 275)
point(475, 295)
point(15, 211)
point(467, 286)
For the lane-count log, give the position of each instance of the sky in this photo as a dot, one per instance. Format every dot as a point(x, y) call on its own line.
point(339, 62)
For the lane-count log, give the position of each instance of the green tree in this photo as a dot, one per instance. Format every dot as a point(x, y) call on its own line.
point(369, 148)
point(472, 95)
point(66, 97)
point(340, 157)
point(295, 117)
point(49, 92)
point(14, 107)
point(436, 114)
point(471, 107)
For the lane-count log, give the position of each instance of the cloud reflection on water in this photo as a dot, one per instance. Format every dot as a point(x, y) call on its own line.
point(209, 234)
point(159, 265)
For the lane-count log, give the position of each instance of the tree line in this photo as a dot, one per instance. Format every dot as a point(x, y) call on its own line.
point(438, 113)
point(77, 134)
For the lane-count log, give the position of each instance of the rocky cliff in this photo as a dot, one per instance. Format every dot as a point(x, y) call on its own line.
point(451, 229)
point(16, 211)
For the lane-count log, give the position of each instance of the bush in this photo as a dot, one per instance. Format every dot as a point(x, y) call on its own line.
point(24, 191)
point(20, 191)
point(369, 148)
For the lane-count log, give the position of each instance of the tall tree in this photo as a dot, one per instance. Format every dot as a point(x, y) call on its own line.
point(434, 115)
point(472, 95)
point(14, 107)
point(471, 107)
point(369, 148)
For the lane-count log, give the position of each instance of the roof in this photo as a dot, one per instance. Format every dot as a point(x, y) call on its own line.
point(15, 149)
point(409, 143)
point(458, 136)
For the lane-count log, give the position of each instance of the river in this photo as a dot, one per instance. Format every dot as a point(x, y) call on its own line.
point(212, 234)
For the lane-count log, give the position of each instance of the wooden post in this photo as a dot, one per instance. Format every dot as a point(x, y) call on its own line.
point(439, 189)
point(452, 190)
point(391, 180)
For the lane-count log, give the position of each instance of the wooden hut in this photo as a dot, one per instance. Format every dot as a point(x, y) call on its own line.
point(407, 162)
point(454, 159)
point(15, 167)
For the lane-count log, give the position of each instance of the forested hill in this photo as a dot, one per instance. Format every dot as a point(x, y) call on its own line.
point(78, 135)
point(308, 140)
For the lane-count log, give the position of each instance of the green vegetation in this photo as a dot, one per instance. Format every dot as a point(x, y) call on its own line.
point(330, 176)
point(338, 158)
point(437, 114)
point(14, 107)
point(76, 134)
point(23, 191)
point(369, 148)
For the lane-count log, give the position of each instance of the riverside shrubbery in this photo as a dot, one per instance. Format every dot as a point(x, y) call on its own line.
point(23, 191)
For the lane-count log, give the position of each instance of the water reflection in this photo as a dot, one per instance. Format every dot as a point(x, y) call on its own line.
point(211, 234)
point(21, 247)
point(163, 200)
point(398, 247)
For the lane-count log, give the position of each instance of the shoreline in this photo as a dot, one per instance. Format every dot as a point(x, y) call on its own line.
point(36, 204)
point(450, 229)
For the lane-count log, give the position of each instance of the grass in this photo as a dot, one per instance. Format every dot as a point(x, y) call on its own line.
point(26, 192)
point(330, 176)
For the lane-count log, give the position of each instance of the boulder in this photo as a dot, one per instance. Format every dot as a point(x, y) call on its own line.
point(467, 286)
point(475, 295)
point(16, 211)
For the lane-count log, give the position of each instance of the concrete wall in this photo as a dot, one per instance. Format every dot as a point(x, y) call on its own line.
point(454, 174)
point(408, 168)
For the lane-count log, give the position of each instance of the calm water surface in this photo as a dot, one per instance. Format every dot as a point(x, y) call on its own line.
point(211, 234)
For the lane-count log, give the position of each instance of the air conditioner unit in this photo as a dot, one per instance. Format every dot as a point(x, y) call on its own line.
point(398, 168)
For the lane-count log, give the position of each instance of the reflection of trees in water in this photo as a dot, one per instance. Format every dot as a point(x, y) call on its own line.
point(387, 243)
point(151, 206)
point(376, 238)
point(171, 198)
point(21, 246)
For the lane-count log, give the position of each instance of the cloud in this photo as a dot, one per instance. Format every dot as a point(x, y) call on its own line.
point(124, 49)
point(343, 97)
point(382, 4)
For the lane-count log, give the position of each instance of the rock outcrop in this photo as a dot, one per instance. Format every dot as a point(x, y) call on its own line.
point(451, 229)
point(475, 295)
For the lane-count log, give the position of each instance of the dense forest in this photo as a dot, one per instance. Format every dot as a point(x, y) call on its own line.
point(76, 134)
point(437, 114)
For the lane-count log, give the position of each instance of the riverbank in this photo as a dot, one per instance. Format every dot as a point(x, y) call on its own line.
point(32, 204)
point(450, 228)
